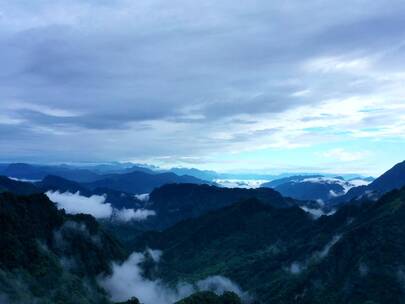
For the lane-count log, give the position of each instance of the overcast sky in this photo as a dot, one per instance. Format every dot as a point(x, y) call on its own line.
point(252, 85)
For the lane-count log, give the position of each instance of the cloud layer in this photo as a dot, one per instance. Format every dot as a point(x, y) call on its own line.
point(188, 82)
point(75, 203)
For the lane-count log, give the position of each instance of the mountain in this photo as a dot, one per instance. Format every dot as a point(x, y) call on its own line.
point(48, 256)
point(263, 242)
point(202, 297)
point(176, 202)
point(3, 167)
point(116, 167)
point(248, 242)
point(208, 297)
point(361, 179)
point(18, 187)
point(316, 187)
point(284, 256)
point(117, 199)
point(289, 179)
point(57, 183)
point(249, 180)
point(394, 178)
point(130, 179)
point(201, 174)
point(141, 182)
point(38, 172)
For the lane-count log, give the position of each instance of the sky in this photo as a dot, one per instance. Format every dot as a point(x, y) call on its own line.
point(258, 86)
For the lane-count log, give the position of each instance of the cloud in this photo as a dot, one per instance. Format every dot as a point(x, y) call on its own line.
point(338, 64)
point(301, 93)
point(154, 254)
point(359, 182)
point(24, 179)
point(127, 281)
point(297, 267)
point(193, 80)
point(240, 183)
point(363, 269)
point(97, 206)
point(325, 251)
point(126, 215)
point(75, 203)
point(63, 235)
point(344, 156)
point(219, 285)
point(317, 213)
point(144, 197)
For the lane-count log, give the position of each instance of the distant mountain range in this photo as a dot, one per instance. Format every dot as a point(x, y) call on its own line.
point(93, 172)
point(214, 176)
point(78, 173)
point(38, 172)
point(134, 179)
point(333, 191)
point(315, 187)
point(141, 182)
point(137, 179)
point(394, 178)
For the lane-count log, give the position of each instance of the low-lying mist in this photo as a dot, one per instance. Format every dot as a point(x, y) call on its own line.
point(127, 280)
point(97, 206)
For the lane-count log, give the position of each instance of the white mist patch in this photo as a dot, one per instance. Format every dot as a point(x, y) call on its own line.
point(142, 197)
point(154, 254)
point(240, 183)
point(26, 180)
point(73, 228)
point(333, 193)
point(219, 285)
point(97, 206)
point(126, 215)
point(325, 251)
point(359, 182)
point(316, 213)
point(75, 203)
point(401, 276)
point(363, 269)
point(346, 185)
point(127, 281)
point(297, 267)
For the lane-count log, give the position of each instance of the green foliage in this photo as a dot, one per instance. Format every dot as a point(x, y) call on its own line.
point(207, 297)
point(48, 256)
point(176, 202)
point(133, 300)
point(282, 256)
